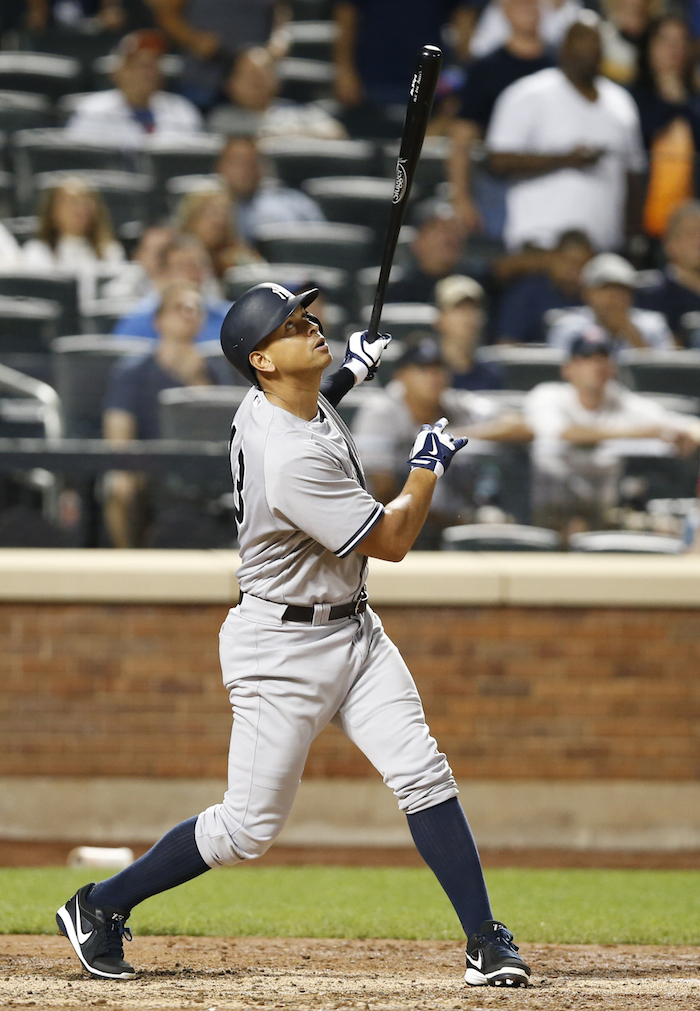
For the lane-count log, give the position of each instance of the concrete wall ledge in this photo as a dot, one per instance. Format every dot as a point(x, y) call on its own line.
point(460, 578)
point(618, 815)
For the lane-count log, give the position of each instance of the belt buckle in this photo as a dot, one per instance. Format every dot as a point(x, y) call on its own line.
point(362, 599)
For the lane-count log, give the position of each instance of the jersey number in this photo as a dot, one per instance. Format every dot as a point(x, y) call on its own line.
point(238, 488)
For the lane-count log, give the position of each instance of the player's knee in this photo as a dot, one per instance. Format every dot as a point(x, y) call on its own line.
point(224, 840)
point(430, 787)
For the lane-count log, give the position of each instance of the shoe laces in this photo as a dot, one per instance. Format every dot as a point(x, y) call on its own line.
point(500, 936)
point(113, 935)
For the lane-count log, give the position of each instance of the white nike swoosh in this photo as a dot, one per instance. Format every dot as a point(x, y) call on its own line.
point(476, 962)
point(82, 938)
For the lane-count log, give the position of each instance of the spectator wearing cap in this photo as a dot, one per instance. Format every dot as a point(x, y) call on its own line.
point(259, 199)
point(386, 425)
point(523, 52)
point(608, 284)
point(675, 292)
point(528, 303)
point(575, 470)
point(255, 108)
point(439, 248)
point(138, 106)
point(131, 401)
point(569, 142)
point(460, 326)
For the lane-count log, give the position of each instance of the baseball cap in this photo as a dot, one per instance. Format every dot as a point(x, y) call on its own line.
point(425, 352)
point(457, 288)
point(608, 268)
point(432, 210)
point(591, 341)
point(144, 39)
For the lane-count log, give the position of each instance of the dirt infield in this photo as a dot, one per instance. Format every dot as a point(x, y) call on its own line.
point(227, 974)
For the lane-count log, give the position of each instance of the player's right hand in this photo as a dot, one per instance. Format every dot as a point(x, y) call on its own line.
point(362, 357)
point(434, 448)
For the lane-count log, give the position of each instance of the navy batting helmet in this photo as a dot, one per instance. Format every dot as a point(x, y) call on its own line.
point(253, 316)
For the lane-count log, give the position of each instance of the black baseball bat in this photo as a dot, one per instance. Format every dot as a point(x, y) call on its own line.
point(420, 102)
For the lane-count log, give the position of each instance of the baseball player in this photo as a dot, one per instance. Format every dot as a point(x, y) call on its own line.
point(302, 648)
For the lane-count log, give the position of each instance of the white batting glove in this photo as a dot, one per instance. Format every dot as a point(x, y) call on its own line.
point(434, 448)
point(362, 357)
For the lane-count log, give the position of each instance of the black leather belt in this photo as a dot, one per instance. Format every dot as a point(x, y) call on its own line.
point(295, 612)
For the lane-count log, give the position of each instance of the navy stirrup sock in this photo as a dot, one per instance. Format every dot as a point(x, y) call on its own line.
point(444, 840)
point(173, 860)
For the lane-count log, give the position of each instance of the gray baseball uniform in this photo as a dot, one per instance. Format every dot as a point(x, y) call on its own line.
point(302, 508)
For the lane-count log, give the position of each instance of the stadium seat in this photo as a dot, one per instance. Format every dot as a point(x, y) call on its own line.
point(7, 192)
point(353, 401)
point(305, 80)
point(61, 289)
point(366, 281)
point(86, 47)
point(499, 537)
point(101, 314)
point(80, 367)
point(311, 10)
point(336, 283)
point(347, 247)
point(357, 200)
point(126, 194)
point(27, 326)
point(676, 402)
point(39, 73)
point(164, 158)
point(311, 40)
point(625, 542)
point(524, 366)
point(431, 169)
point(28, 408)
point(50, 150)
point(199, 412)
point(179, 186)
point(23, 227)
point(401, 319)
point(299, 158)
point(663, 371)
point(226, 374)
point(22, 110)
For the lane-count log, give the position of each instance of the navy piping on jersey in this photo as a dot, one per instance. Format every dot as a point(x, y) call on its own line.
point(360, 534)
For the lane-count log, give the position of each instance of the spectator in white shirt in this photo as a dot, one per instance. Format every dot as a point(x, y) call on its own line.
point(137, 107)
point(10, 251)
point(75, 231)
point(575, 469)
point(608, 283)
point(254, 106)
point(493, 29)
point(569, 141)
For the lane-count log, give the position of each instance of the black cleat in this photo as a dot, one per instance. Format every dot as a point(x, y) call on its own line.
point(492, 958)
point(97, 936)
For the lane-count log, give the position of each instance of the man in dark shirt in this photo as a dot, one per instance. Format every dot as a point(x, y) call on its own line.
point(526, 303)
point(440, 248)
point(131, 402)
point(460, 325)
point(524, 53)
point(677, 291)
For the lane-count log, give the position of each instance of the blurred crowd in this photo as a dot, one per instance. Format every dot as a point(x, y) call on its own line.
point(165, 155)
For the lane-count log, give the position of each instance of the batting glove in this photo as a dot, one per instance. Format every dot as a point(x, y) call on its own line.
point(362, 357)
point(434, 448)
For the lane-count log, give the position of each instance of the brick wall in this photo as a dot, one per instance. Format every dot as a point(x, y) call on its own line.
point(135, 690)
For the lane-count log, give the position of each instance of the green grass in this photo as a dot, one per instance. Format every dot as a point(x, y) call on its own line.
point(576, 906)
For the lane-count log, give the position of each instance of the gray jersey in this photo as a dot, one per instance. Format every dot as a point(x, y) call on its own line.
point(301, 504)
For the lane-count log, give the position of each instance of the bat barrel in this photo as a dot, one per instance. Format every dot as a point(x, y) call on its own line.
point(420, 104)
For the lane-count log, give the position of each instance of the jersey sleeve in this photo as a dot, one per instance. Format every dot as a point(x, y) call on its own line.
point(313, 493)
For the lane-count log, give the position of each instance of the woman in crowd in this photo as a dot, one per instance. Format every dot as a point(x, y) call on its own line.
point(75, 231)
point(209, 216)
point(670, 117)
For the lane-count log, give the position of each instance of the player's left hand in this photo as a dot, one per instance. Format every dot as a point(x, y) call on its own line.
point(434, 448)
point(362, 357)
